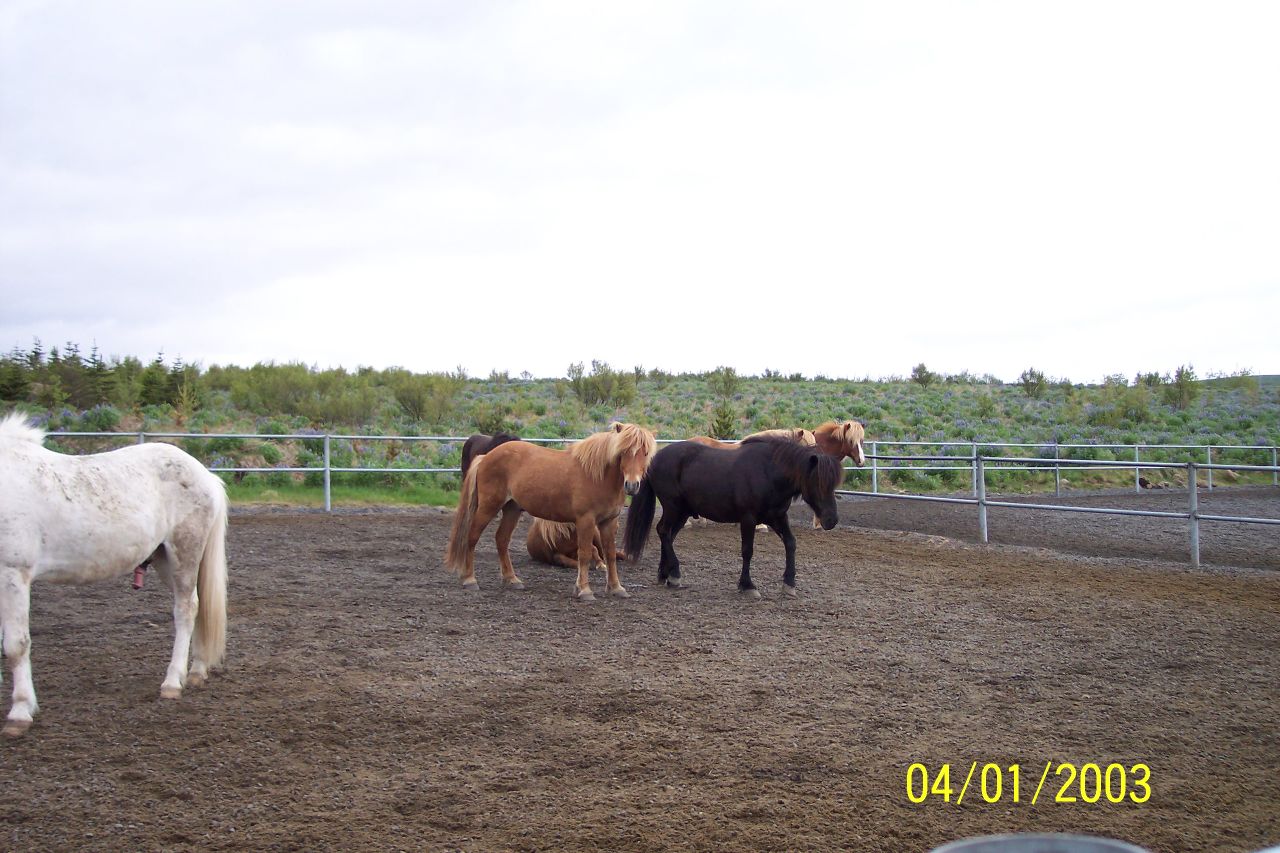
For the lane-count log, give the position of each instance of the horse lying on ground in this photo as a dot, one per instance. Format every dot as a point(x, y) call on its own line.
point(556, 544)
point(584, 484)
point(83, 518)
point(754, 483)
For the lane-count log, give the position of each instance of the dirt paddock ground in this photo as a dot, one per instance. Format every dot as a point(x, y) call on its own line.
point(371, 704)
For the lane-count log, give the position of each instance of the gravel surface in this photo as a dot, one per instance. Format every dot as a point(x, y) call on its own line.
point(371, 704)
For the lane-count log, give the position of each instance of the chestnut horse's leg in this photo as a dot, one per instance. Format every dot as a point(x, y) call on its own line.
point(605, 539)
point(15, 608)
point(587, 533)
point(510, 517)
point(745, 586)
point(486, 509)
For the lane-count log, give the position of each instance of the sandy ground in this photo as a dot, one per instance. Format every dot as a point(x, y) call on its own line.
point(371, 704)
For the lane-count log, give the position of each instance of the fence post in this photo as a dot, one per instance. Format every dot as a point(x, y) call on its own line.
point(973, 465)
point(1137, 471)
point(1057, 472)
point(142, 438)
point(1275, 472)
point(327, 504)
point(875, 469)
point(1193, 515)
point(981, 476)
point(1208, 474)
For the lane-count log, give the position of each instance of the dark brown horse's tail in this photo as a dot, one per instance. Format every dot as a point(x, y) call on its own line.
point(639, 520)
point(455, 553)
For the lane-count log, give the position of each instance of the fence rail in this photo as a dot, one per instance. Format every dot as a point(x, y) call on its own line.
point(977, 463)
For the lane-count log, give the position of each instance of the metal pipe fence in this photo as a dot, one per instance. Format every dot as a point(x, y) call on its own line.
point(979, 464)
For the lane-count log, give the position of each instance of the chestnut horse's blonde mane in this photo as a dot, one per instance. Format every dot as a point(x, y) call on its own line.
point(596, 453)
point(800, 435)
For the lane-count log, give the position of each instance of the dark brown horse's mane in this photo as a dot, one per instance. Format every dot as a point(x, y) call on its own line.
point(794, 457)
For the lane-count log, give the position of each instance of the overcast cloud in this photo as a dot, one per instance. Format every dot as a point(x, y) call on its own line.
point(839, 188)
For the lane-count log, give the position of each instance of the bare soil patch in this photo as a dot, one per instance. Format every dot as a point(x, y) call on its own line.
point(370, 703)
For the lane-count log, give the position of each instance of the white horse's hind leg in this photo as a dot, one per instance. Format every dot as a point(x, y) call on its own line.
point(184, 620)
point(15, 606)
point(182, 583)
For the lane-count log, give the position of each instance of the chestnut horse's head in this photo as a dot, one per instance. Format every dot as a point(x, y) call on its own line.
point(627, 446)
point(842, 439)
point(635, 446)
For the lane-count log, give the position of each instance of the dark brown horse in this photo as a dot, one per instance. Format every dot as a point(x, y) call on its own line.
point(755, 482)
point(479, 444)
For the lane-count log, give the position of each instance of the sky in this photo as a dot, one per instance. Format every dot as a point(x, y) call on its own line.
point(846, 188)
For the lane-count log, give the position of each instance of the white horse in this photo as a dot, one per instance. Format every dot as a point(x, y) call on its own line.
point(82, 518)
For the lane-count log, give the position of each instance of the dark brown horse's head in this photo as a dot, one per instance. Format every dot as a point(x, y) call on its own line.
point(818, 487)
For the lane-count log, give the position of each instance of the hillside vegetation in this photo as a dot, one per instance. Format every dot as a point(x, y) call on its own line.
point(68, 391)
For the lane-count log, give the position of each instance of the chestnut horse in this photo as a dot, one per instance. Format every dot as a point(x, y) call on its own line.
point(754, 483)
point(584, 484)
point(556, 544)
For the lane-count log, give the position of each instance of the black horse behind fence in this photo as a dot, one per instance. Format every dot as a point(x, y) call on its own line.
point(752, 484)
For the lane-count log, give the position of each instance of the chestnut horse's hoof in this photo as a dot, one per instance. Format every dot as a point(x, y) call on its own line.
point(620, 592)
point(584, 595)
point(16, 728)
point(788, 590)
point(749, 592)
point(515, 584)
point(471, 586)
point(170, 692)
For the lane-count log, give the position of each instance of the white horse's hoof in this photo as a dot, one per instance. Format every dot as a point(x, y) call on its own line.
point(170, 692)
point(584, 595)
point(195, 680)
point(471, 586)
point(620, 592)
point(751, 593)
point(16, 728)
point(788, 590)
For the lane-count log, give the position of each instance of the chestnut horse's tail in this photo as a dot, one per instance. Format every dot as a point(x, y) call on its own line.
point(455, 553)
point(639, 520)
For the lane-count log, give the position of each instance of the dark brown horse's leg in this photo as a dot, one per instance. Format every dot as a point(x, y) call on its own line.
point(745, 586)
point(605, 538)
point(671, 523)
point(510, 517)
point(783, 528)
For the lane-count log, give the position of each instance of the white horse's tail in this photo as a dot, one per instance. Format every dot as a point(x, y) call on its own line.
point(211, 585)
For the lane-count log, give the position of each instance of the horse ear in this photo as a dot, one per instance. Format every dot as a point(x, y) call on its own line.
point(617, 426)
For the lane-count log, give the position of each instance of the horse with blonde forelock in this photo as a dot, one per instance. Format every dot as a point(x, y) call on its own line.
point(584, 485)
point(77, 519)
